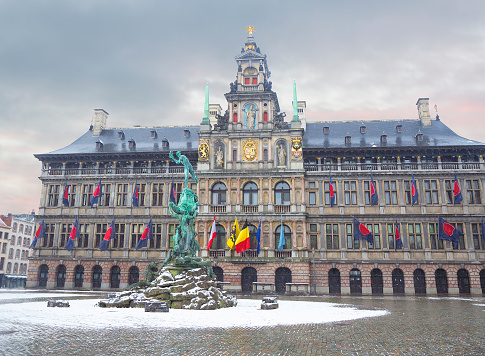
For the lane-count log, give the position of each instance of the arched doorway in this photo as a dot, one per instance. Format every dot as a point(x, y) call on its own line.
point(115, 277)
point(219, 272)
point(376, 281)
point(281, 277)
point(334, 281)
point(419, 281)
point(463, 281)
point(97, 276)
point(43, 274)
point(248, 276)
point(441, 281)
point(60, 276)
point(78, 276)
point(397, 281)
point(355, 281)
point(134, 275)
point(482, 280)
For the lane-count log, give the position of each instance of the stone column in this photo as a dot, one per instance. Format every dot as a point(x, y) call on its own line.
point(207, 191)
point(305, 237)
point(260, 196)
point(271, 235)
point(228, 194)
point(293, 236)
point(270, 191)
point(238, 194)
point(293, 197)
point(205, 233)
point(303, 202)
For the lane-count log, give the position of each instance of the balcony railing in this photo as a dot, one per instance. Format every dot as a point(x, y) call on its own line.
point(250, 253)
point(282, 254)
point(216, 253)
point(281, 209)
point(249, 208)
point(394, 166)
point(111, 170)
point(217, 208)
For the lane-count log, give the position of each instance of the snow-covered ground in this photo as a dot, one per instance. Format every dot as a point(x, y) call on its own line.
point(85, 313)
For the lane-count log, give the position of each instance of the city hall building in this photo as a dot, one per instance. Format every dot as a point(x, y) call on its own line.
point(258, 165)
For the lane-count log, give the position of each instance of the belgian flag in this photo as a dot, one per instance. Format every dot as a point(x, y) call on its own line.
point(242, 242)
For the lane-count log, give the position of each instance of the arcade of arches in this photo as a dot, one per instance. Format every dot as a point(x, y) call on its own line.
point(353, 279)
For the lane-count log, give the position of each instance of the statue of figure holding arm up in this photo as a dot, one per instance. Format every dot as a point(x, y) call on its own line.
point(188, 169)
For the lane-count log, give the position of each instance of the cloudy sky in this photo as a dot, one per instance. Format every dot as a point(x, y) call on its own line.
point(147, 62)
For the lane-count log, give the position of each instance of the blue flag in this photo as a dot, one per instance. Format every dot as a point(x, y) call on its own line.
point(457, 192)
point(97, 194)
point(398, 237)
point(414, 191)
point(281, 244)
point(373, 192)
point(258, 237)
point(448, 232)
point(362, 232)
point(40, 234)
point(483, 229)
point(147, 234)
point(110, 234)
point(72, 236)
point(134, 199)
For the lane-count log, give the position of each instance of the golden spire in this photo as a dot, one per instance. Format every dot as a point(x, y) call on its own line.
point(250, 30)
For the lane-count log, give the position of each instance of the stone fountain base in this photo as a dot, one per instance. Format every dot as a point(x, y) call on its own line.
point(179, 287)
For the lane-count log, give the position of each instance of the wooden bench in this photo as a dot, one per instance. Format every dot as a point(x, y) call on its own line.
point(262, 287)
point(221, 285)
point(297, 288)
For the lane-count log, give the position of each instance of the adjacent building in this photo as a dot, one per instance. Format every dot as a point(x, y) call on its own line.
point(261, 166)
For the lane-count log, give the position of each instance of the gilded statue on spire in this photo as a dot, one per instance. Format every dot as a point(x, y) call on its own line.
point(250, 30)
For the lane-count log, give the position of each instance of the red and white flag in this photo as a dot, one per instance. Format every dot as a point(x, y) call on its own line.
point(213, 233)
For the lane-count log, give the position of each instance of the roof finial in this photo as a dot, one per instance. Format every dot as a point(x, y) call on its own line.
point(249, 30)
point(436, 108)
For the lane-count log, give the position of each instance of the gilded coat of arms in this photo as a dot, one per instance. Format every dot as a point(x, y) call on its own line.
point(204, 150)
point(250, 149)
point(296, 147)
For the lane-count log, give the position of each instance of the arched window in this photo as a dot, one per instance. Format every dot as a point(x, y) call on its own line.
point(219, 272)
point(286, 233)
point(60, 276)
point(219, 241)
point(419, 281)
point(134, 275)
point(115, 277)
point(355, 281)
point(441, 281)
point(43, 274)
point(219, 194)
point(78, 276)
point(253, 230)
point(248, 276)
point(334, 286)
point(97, 276)
point(463, 281)
point(282, 194)
point(282, 276)
point(398, 281)
point(376, 281)
point(250, 194)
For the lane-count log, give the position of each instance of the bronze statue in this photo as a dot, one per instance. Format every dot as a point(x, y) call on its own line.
point(188, 167)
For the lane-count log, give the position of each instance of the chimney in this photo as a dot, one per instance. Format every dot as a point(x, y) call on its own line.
point(423, 111)
point(100, 117)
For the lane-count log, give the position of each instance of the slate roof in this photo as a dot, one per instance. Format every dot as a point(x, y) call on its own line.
point(144, 143)
point(435, 135)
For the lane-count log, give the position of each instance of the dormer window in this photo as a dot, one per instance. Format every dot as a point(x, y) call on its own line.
point(383, 138)
point(131, 143)
point(187, 133)
point(419, 137)
point(121, 135)
point(362, 129)
point(348, 140)
point(326, 130)
point(153, 134)
point(399, 128)
point(165, 143)
point(99, 144)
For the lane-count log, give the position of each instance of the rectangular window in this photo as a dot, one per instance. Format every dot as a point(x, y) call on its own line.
point(350, 192)
point(351, 242)
point(50, 229)
point(391, 235)
point(434, 241)
point(106, 194)
point(449, 187)
point(312, 193)
point(332, 236)
point(119, 242)
point(171, 234)
point(473, 191)
point(246, 81)
point(136, 232)
point(478, 242)
point(72, 189)
point(255, 81)
point(157, 194)
point(99, 234)
point(431, 191)
point(141, 194)
point(83, 239)
point(10, 253)
point(415, 236)
point(376, 233)
point(87, 193)
point(461, 239)
point(53, 195)
point(234, 154)
point(367, 194)
point(157, 236)
point(178, 190)
point(4, 247)
point(64, 235)
point(2, 262)
point(121, 194)
point(390, 192)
